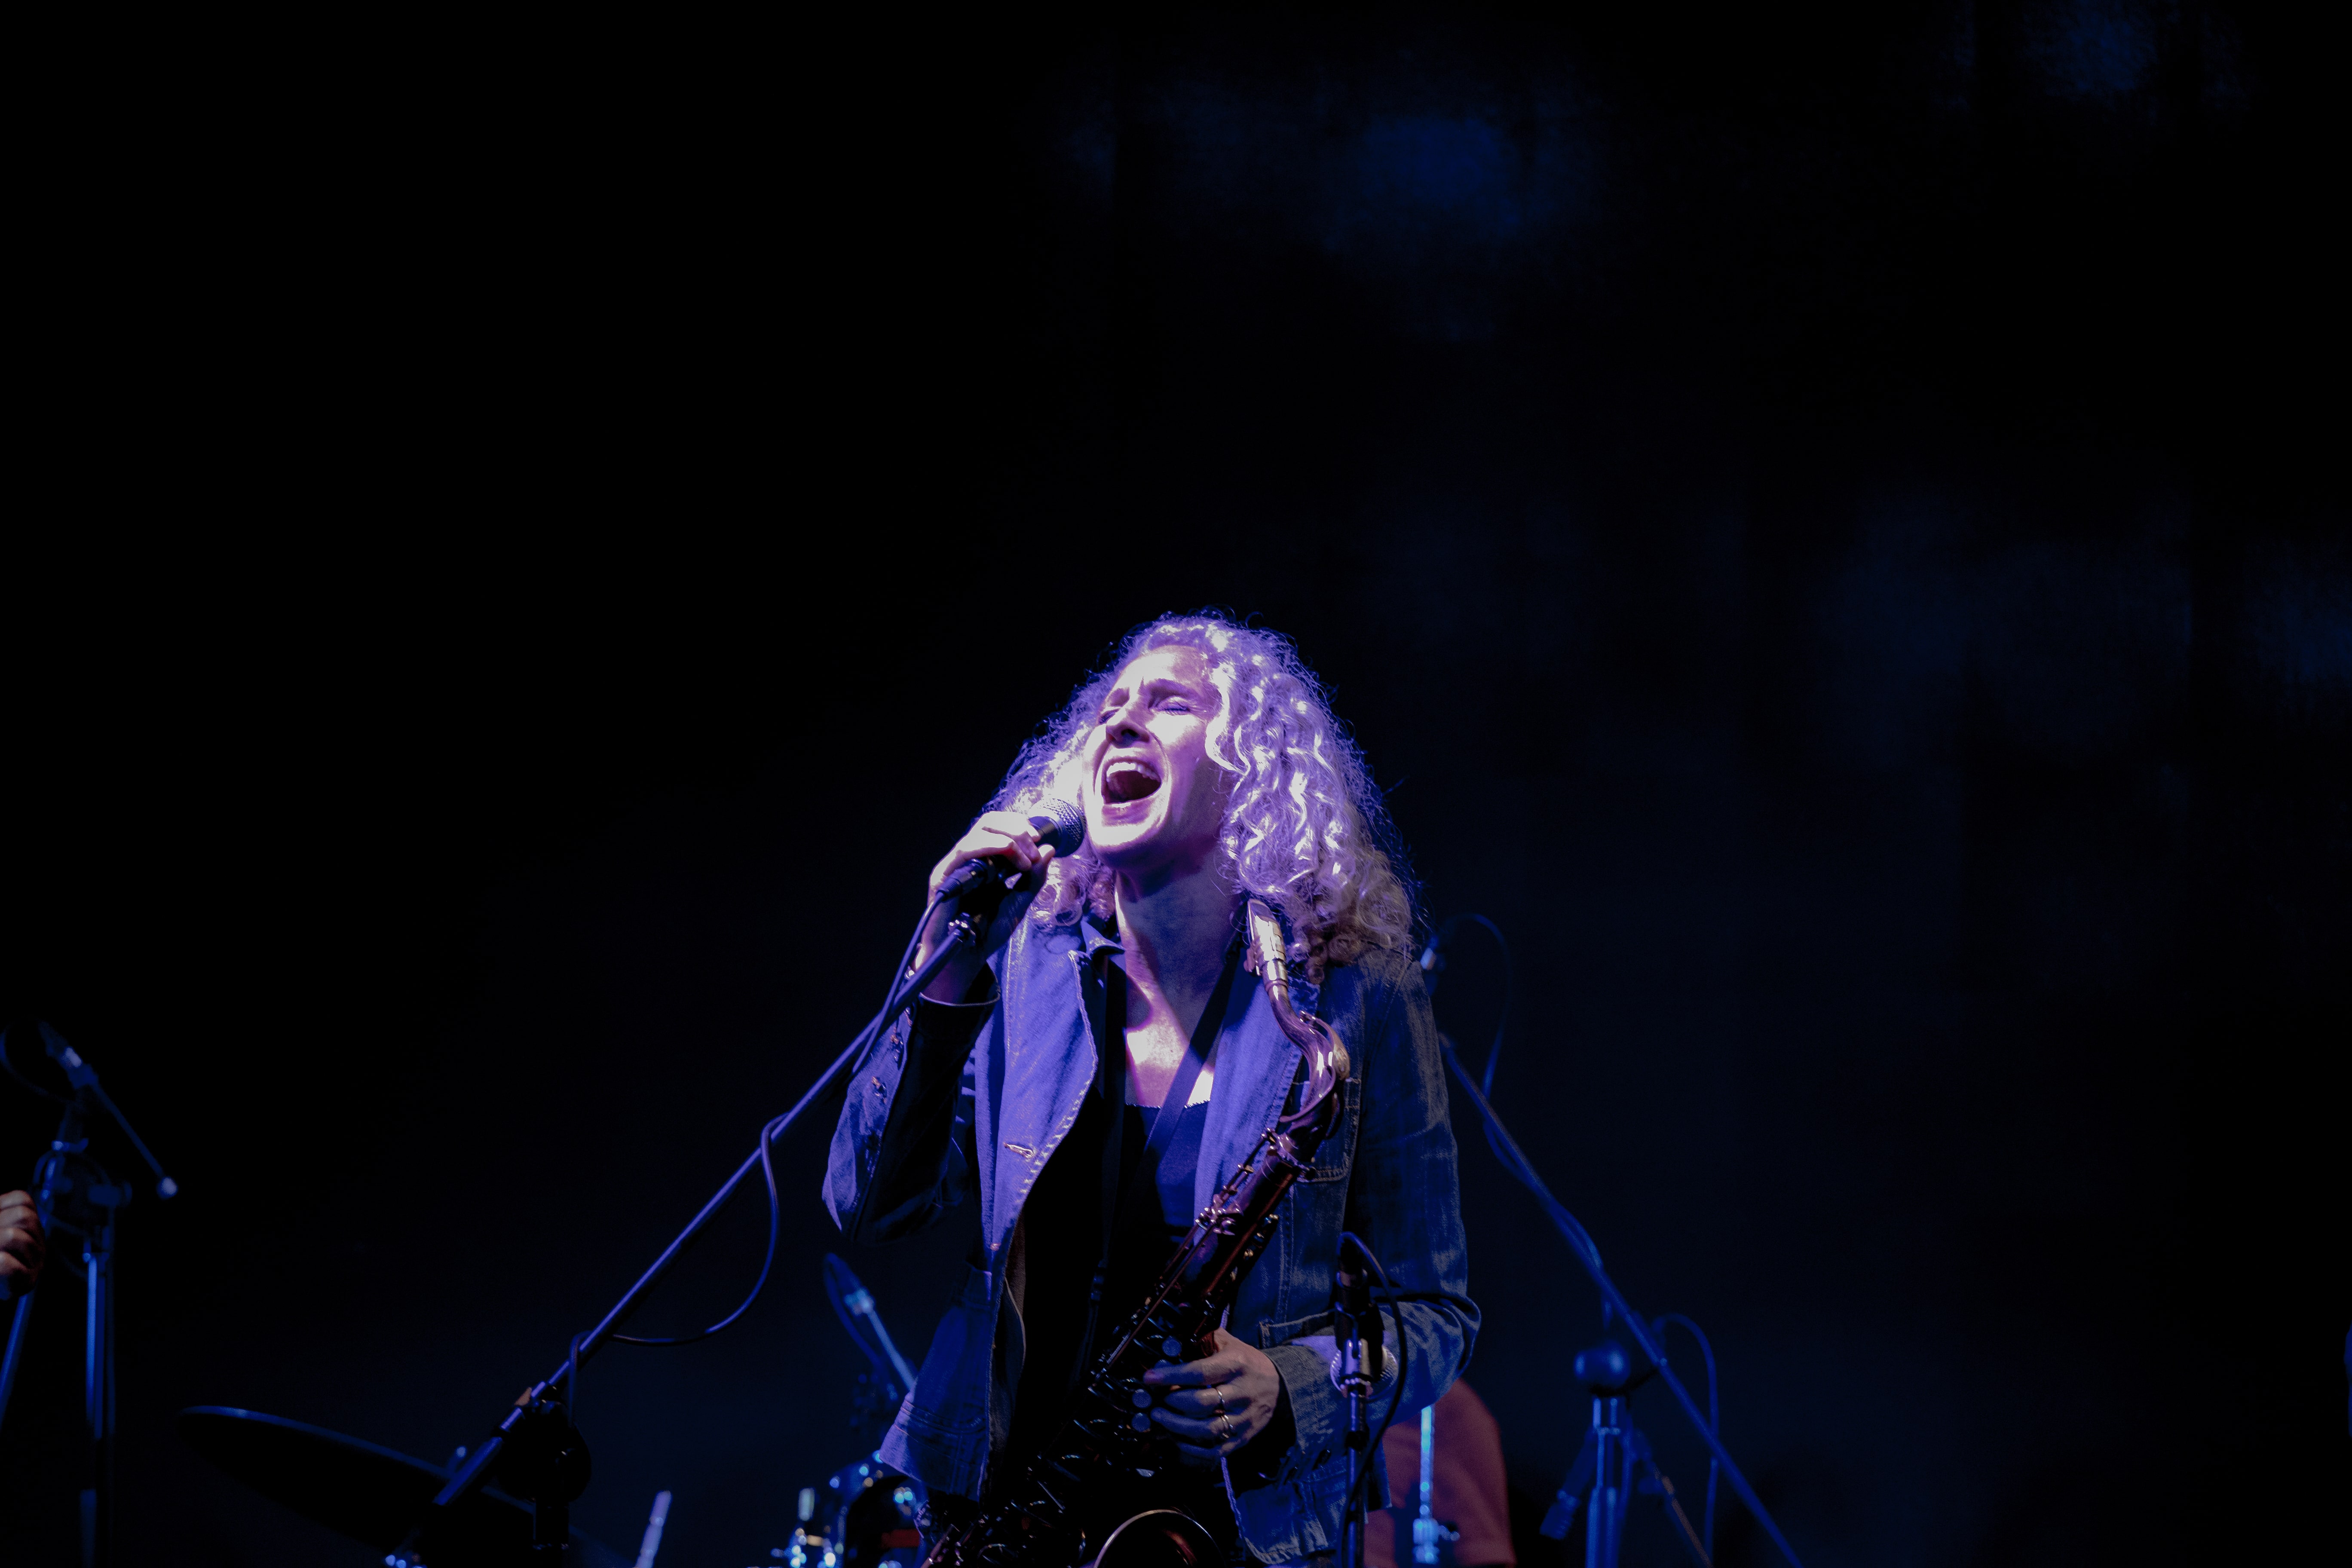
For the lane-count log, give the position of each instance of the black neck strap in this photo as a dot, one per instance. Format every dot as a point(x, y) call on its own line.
point(1196, 1056)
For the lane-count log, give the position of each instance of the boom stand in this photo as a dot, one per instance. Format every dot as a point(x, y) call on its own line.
point(534, 1448)
point(75, 1196)
point(1581, 1244)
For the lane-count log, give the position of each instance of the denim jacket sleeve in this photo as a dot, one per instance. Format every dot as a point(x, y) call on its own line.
point(1396, 1189)
point(898, 1160)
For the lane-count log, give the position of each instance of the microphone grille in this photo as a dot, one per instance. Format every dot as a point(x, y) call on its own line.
point(1059, 824)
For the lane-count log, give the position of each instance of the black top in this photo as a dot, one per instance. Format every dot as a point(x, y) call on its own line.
point(1158, 1206)
point(1105, 1180)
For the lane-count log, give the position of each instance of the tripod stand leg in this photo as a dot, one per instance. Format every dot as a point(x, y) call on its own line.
point(1562, 1515)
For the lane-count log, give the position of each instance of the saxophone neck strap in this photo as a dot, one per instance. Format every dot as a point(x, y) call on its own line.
point(1170, 1114)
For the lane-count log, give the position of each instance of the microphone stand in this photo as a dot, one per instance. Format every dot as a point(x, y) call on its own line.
point(76, 1197)
point(1615, 1462)
point(1358, 1388)
point(1580, 1243)
point(535, 1449)
point(1357, 1319)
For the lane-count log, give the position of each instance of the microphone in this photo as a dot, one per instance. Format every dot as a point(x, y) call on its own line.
point(84, 1079)
point(1058, 823)
point(1360, 1349)
point(852, 1301)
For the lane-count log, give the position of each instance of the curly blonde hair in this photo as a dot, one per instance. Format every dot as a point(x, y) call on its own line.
point(1305, 829)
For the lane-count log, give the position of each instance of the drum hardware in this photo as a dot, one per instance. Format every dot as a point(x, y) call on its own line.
point(888, 1378)
point(651, 1544)
point(369, 1493)
point(869, 1508)
point(869, 1513)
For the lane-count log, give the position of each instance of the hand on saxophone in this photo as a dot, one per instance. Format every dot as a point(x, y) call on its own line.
point(1216, 1404)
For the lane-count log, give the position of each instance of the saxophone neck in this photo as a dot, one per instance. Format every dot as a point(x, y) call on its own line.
point(1327, 1056)
point(1267, 956)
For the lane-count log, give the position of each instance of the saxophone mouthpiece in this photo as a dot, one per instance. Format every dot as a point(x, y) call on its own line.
point(1265, 946)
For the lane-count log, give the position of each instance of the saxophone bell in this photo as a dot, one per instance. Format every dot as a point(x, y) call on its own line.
point(1160, 1538)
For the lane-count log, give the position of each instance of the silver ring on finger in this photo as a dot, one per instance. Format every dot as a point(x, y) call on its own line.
point(1224, 1428)
point(1220, 1393)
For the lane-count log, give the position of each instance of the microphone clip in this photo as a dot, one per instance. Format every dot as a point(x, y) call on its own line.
point(1360, 1367)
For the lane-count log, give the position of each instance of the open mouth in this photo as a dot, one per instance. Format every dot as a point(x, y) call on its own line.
point(1126, 780)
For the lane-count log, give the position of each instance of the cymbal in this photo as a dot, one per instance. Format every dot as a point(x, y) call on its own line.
point(369, 1493)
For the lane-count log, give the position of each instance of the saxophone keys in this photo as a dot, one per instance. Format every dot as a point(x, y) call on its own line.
point(1141, 1423)
point(1141, 1398)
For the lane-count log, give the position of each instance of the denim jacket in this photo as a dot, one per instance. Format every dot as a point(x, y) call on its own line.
point(1386, 1172)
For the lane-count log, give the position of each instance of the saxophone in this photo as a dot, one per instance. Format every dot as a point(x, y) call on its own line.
point(1039, 1519)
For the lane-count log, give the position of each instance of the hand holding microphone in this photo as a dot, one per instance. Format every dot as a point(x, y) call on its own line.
point(1008, 844)
point(993, 871)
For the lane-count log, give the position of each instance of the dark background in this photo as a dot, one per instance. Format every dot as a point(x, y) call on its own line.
point(1829, 530)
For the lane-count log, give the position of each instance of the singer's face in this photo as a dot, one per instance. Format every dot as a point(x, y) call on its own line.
point(1154, 801)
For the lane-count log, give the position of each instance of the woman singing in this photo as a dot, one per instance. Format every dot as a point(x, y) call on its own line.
point(1106, 997)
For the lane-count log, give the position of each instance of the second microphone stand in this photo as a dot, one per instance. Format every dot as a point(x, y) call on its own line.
point(534, 1451)
point(76, 1197)
point(1581, 1244)
point(1614, 1463)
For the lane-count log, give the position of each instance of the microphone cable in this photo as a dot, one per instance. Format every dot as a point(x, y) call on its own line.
point(1433, 963)
point(893, 1002)
point(1506, 1154)
point(1714, 1415)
